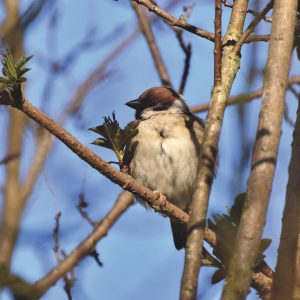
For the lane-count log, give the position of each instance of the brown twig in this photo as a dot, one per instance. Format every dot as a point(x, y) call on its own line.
point(149, 36)
point(218, 43)
point(181, 23)
point(69, 280)
point(186, 48)
point(124, 201)
point(242, 98)
point(250, 11)
point(188, 54)
point(252, 26)
point(81, 206)
point(265, 152)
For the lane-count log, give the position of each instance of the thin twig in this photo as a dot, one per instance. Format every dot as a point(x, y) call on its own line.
point(250, 11)
point(124, 201)
point(242, 98)
point(181, 23)
point(218, 43)
point(252, 26)
point(81, 206)
point(149, 36)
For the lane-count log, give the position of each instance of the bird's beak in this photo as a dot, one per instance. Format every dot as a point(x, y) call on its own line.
point(135, 104)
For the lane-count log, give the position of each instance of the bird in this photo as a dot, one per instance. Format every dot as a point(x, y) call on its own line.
point(164, 155)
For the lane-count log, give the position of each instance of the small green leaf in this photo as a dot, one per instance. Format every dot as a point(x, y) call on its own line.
point(21, 72)
point(13, 72)
point(113, 136)
point(103, 143)
point(22, 61)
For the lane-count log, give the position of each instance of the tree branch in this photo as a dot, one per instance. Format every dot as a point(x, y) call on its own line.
point(265, 152)
point(287, 274)
point(149, 36)
point(243, 98)
point(218, 43)
point(252, 26)
point(12, 210)
point(220, 93)
point(156, 200)
point(124, 201)
point(181, 23)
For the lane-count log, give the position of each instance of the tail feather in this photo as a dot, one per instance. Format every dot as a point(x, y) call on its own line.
point(179, 231)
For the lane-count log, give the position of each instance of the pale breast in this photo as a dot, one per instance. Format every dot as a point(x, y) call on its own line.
point(166, 154)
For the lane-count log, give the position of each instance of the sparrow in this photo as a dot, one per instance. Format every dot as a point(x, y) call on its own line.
point(164, 155)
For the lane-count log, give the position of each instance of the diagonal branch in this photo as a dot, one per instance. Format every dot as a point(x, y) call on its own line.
point(124, 201)
point(156, 200)
point(149, 36)
point(252, 26)
point(182, 23)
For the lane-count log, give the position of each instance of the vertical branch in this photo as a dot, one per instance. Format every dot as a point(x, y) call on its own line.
point(229, 67)
point(265, 152)
point(218, 43)
point(287, 274)
point(149, 36)
point(12, 36)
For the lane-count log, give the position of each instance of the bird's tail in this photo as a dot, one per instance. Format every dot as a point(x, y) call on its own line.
point(179, 231)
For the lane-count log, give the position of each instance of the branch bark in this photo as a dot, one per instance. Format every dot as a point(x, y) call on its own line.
point(220, 93)
point(12, 210)
point(287, 274)
point(181, 23)
point(265, 152)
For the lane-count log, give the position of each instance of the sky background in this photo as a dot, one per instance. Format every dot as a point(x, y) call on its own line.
point(140, 261)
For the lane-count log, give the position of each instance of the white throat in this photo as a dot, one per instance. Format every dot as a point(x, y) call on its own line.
point(178, 107)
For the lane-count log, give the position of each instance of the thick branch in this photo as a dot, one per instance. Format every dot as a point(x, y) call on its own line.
point(287, 273)
point(265, 152)
point(230, 66)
